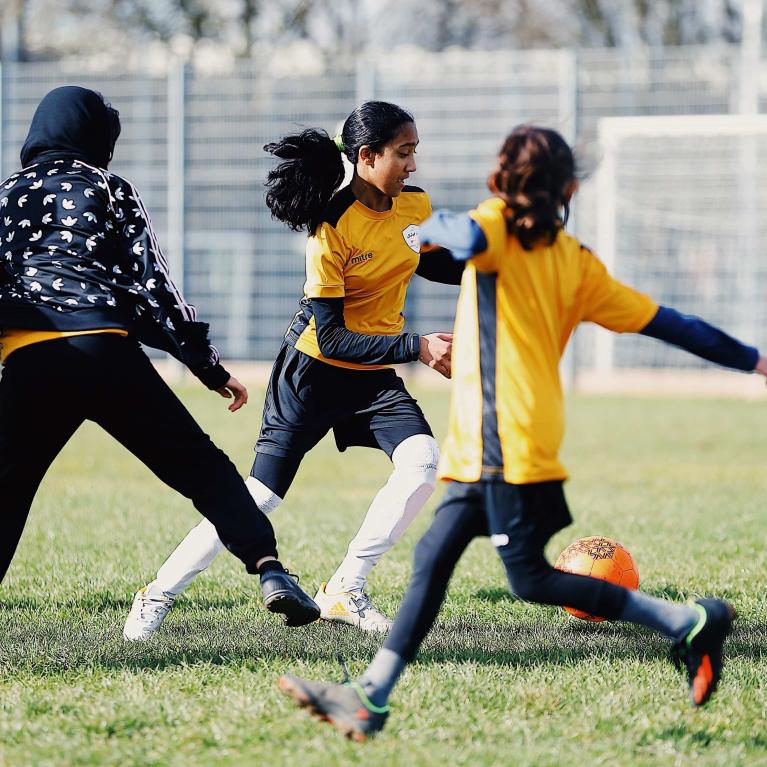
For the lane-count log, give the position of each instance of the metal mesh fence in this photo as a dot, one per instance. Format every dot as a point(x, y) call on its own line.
point(192, 143)
point(143, 103)
point(244, 270)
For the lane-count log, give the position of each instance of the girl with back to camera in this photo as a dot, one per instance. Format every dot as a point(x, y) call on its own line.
point(82, 281)
point(526, 286)
point(333, 370)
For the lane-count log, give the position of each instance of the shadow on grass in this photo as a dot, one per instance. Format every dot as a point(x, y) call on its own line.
point(673, 593)
point(100, 601)
point(43, 647)
point(109, 600)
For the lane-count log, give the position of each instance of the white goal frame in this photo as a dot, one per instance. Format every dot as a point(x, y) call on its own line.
point(612, 130)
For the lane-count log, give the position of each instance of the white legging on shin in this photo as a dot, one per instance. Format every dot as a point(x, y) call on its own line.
point(393, 509)
point(395, 506)
point(201, 545)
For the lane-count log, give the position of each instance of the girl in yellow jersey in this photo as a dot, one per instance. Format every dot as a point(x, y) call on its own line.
point(526, 286)
point(334, 368)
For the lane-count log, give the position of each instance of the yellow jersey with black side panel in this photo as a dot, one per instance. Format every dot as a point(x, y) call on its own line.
point(367, 258)
point(516, 312)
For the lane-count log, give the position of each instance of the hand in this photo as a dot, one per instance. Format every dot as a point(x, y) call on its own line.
point(436, 352)
point(233, 388)
point(761, 367)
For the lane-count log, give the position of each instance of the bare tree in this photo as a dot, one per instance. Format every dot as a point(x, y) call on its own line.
point(247, 18)
point(657, 22)
point(12, 15)
point(346, 28)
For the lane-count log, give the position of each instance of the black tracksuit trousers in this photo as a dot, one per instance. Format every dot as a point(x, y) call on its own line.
point(48, 389)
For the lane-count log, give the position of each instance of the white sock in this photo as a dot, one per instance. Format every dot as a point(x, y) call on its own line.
point(193, 555)
point(265, 499)
point(201, 546)
point(391, 512)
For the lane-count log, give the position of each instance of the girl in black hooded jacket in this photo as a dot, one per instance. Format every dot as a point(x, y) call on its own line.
point(82, 281)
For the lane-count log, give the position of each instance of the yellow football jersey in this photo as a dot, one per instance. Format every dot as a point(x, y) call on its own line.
point(367, 258)
point(516, 312)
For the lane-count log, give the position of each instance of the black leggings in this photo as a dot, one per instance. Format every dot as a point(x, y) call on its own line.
point(48, 389)
point(521, 519)
point(277, 472)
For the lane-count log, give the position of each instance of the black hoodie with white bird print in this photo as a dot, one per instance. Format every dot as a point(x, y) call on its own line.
point(77, 247)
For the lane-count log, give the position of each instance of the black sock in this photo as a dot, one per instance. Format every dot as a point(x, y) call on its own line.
point(269, 566)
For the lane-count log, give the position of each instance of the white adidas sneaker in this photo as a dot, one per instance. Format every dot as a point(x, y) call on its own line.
point(353, 608)
point(146, 616)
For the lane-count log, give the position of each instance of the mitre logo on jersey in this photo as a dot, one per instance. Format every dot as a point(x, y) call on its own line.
point(362, 257)
point(412, 235)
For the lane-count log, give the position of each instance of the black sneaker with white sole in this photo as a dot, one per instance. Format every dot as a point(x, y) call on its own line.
point(701, 649)
point(283, 595)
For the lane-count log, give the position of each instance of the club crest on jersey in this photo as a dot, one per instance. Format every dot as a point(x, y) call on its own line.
point(412, 235)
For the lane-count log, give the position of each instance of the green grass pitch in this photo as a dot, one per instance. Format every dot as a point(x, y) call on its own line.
point(682, 484)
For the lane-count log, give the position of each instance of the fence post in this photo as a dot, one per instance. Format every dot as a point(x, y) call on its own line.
point(176, 136)
point(567, 120)
point(606, 234)
point(750, 57)
point(365, 80)
point(2, 121)
point(748, 281)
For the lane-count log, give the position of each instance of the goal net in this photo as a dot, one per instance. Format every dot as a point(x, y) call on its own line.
point(680, 205)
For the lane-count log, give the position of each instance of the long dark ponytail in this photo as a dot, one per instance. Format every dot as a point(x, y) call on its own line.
point(535, 170)
point(299, 187)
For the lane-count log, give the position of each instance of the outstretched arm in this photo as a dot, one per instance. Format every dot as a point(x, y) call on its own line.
point(457, 233)
point(337, 342)
point(704, 340)
point(618, 307)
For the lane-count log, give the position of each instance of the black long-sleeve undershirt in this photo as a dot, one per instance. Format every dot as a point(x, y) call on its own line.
point(438, 265)
point(337, 342)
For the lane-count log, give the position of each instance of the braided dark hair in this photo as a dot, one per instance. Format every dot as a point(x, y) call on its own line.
point(535, 170)
point(299, 187)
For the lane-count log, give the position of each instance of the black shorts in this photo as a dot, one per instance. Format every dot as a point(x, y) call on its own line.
point(306, 398)
point(524, 517)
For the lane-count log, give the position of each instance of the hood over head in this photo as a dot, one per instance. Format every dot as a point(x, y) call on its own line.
point(72, 122)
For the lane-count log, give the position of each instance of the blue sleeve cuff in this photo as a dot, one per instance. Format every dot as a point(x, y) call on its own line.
point(457, 232)
point(704, 340)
